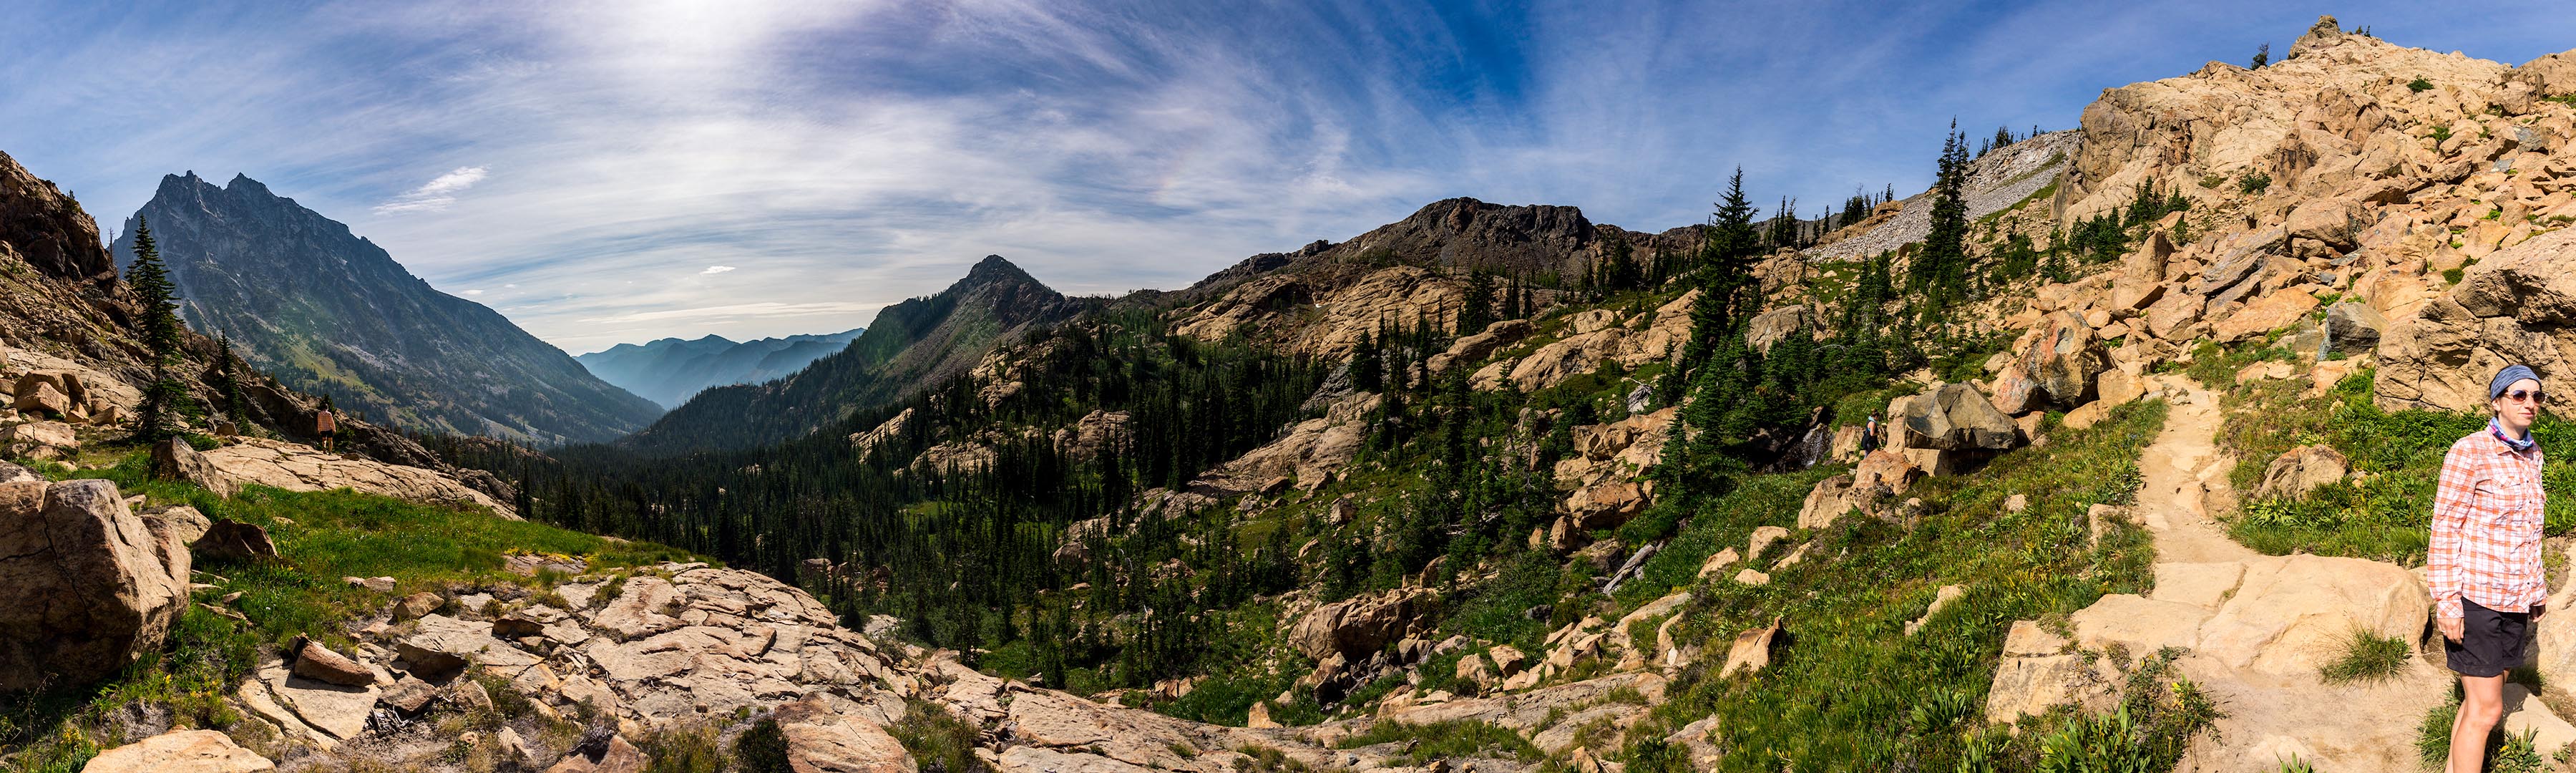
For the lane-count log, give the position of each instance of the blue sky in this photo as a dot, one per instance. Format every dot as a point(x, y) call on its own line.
point(622, 171)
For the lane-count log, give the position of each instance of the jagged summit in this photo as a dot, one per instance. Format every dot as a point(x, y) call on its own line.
point(329, 312)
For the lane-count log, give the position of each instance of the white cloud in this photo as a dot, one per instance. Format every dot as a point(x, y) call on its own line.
point(473, 292)
point(437, 194)
point(716, 269)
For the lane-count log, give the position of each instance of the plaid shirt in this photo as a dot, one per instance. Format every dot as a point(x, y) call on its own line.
point(2486, 528)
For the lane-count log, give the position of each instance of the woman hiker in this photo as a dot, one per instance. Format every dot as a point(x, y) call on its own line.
point(323, 424)
point(2484, 565)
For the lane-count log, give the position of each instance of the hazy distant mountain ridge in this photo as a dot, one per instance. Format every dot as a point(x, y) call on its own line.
point(330, 312)
point(670, 370)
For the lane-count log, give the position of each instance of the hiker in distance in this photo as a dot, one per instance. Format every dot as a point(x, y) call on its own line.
point(2484, 564)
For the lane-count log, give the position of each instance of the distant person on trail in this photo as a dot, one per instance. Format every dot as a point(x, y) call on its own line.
point(323, 425)
point(1869, 435)
point(2484, 565)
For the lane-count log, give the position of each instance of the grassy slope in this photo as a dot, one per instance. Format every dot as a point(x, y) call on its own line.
point(1850, 689)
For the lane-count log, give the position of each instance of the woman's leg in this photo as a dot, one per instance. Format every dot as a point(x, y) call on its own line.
point(2481, 706)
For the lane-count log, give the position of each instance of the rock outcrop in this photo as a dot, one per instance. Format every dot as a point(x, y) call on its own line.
point(85, 585)
point(2517, 305)
point(296, 467)
point(1362, 625)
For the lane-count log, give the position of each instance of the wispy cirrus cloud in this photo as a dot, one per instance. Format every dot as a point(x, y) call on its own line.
point(867, 151)
point(716, 270)
point(437, 194)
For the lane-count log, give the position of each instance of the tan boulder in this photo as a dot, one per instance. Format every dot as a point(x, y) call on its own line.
point(319, 663)
point(180, 751)
point(1751, 651)
point(2265, 314)
point(2300, 470)
point(1719, 562)
point(1606, 505)
point(2054, 364)
point(820, 740)
point(1564, 358)
point(2119, 388)
point(2140, 624)
point(1362, 625)
point(234, 542)
point(1831, 498)
point(22, 438)
point(174, 459)
point(1769, 327)
point(2336, 222)
point(1885, 469)
point(1953, 417)
point(2171, 316)
point(84, 588)
point(2030, 686)
point(1475, 348)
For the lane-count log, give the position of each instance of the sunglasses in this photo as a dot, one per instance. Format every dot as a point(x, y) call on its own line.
point(2519, 395)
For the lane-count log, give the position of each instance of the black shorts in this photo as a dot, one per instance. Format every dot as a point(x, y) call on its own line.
point(2491, 642)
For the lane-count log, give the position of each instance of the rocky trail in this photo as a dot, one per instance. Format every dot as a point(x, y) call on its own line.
point(2253, 630)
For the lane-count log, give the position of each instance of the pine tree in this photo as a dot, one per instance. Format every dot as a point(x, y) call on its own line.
point(2262, 56)
point(157, 417)
point(1942, 270)
point(1478, 311)
point(1368, 368)
point(227, 383)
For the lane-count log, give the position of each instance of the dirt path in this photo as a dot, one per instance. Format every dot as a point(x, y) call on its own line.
point(2178, 468)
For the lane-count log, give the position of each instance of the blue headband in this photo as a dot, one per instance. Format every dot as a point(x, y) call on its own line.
point(2505, 378)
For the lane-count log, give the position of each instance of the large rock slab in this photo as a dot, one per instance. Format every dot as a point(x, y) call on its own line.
point(2293, 614)
point(84, 585)
point(299, 468)
point(180, 751)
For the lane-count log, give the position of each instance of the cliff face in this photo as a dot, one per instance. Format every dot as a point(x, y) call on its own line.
point(911, 343)
point(330, 312)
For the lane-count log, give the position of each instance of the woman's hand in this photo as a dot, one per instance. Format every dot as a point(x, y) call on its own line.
point(2449, 626)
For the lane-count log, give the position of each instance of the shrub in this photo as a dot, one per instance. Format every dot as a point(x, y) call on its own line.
point(2441, 133)
point(762, 748)
point(2419, 85)
point(2253, 183)
point(2367, 657)
point(938, 740)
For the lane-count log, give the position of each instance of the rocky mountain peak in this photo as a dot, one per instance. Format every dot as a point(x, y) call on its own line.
point(1468, 233)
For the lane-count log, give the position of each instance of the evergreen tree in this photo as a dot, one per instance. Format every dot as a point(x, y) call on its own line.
point(1479, 309)
point(1368, 369)
point(227, 383)
point(157, 417)
point(2262, 56)
point(1941, 273)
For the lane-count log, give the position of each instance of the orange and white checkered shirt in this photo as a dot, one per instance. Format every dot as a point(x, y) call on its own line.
point(2486, 528)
